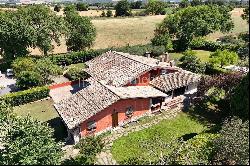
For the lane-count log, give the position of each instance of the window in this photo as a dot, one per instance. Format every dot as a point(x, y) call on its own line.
point(163, 71)
point(91, 125)
point(129, 111)
point(134, 82)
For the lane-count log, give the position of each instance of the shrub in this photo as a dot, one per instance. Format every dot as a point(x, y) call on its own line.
point(162, 40)
point(73, 57)
point(232, 147)
point(26, 96)
point(122, 8)
point(109, 13)
point(28, 79)
point(103, 14)
point(75, 73)
point(195, 151)
point(81, 7)
point(23, 64)
point(191, 62)
point(222, 58)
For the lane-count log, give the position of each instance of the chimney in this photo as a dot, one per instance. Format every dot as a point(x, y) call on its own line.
point(166, 58)
point(172, 63)
point(147, 54)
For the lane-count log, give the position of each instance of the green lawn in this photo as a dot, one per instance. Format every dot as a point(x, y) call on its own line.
point(167, 130)
point(44, 111)
point(202, 54)
point(80, 65)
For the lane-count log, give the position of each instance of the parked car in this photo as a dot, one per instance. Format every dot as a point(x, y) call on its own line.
point(9, 72)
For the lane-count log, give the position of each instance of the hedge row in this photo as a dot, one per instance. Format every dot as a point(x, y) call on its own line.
point(83, 56)
point(73, 57)
point(26, 96)
point(212, 46)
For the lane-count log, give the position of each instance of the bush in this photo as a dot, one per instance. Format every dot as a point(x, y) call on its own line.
point(28, 79)
point(75, 73)
point(73, 57)
point(195, 151)
point(23, 64)
point(122, 8)
point(103, 14)
point(81, 7)
point(26, 96)
point(232, 147)
point(109, 13)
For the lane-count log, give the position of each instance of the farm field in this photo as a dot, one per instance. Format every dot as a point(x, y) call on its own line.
point(117, 32)
point(130, 146)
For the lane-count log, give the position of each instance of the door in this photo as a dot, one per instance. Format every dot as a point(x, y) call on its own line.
point(115, 119)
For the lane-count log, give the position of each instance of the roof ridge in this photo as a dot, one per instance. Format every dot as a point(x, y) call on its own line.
point(122, 54)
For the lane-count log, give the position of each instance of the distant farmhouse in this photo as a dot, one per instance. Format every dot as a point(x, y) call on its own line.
point(122, 88)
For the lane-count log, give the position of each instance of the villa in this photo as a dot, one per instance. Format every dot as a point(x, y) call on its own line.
point(123, 88)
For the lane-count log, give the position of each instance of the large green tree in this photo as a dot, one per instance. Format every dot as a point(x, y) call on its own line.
point(198, 21)
point(122, 8)
point(25, 141)
point(31, 26)
point(81, 32)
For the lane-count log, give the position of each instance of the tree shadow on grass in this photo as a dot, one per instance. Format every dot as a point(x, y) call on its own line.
point(60, 130)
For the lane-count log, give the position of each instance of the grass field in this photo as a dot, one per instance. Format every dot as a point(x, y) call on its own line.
point(167, 130)
point(44, 111)
point(117, 32)
point(203, 55)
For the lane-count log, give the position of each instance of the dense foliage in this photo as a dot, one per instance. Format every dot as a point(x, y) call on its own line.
point(75, 73)
point(240, 99)
point(191, 22)
point(191, 62)
point(22, 64)
point(155, 7)
point(89, 147)
point(26, 141)
point(232, 147)
point(28, 79)
point(245, 15)
point(30, 26)
point(122, 8)
point(26, 96)
point(222, 58)
point(81, 7)
point(81, 32)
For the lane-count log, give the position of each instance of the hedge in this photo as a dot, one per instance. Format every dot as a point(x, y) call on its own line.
point(83, 56)
point(202, 44)
point(26, 96)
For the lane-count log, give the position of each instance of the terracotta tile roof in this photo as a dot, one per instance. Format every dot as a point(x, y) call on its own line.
point(117, 68)
point(175, 80)
point(136, 92)
point(85, 103)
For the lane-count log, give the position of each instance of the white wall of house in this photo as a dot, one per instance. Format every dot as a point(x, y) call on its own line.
point(192, 88)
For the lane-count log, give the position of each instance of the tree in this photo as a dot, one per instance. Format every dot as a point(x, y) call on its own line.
point(136, 5)
point(57, 8)
point(122, 8)
point(109, 13)
point(103, 14)
point(81, 32)
point(196, 2)
point(28, 79)
point(155, 7)
point(81, 7)
point(245, 15)
point(46, 69)
point(27, 142)
point(224, 57)
point(184, 4)
point(23, 64)
point(163, 40)
point(240, 99)
point(188, 23)
point(191, 62)
point(232, 147)
point(31, 26)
